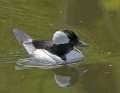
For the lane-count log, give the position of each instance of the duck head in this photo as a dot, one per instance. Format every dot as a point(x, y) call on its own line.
point(67, 37)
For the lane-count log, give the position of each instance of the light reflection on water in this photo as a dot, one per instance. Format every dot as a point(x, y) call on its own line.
point(85, 74)
point(95, 77)
point(88, 75)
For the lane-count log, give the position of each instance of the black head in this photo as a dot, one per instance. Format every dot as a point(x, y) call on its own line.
point(72, 36)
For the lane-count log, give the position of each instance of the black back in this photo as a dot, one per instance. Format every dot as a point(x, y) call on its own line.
point(42, 44)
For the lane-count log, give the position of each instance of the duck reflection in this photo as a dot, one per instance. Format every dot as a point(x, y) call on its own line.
point(89, 77)
point(65, 76)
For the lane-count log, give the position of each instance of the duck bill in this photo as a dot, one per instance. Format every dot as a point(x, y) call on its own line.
point(81, 44)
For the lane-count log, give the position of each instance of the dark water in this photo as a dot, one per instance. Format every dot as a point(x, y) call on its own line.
point(95, 21)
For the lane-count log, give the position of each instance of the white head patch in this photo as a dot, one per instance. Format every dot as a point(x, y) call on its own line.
point(60, 37)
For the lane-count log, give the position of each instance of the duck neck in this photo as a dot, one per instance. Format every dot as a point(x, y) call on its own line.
point(61, 49)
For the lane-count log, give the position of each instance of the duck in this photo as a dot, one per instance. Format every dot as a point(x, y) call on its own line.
point(62, 49)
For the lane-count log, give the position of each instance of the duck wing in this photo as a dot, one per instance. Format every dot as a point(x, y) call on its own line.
point(25, 40)
point(21, 36)
point(29, 44)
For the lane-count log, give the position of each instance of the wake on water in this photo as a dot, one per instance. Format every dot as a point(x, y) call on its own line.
point(31, 62)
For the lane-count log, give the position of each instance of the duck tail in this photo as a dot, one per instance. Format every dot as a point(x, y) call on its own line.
point(25, 40)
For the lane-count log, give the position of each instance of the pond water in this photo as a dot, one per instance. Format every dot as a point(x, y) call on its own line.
point(94, 21)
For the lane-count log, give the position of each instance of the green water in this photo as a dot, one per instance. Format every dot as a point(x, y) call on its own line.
point(95, 21)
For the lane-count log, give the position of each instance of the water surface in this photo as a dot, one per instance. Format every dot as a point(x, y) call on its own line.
point(95, 21)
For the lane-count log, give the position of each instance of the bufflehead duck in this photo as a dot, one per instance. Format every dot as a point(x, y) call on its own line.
point(60, 50)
